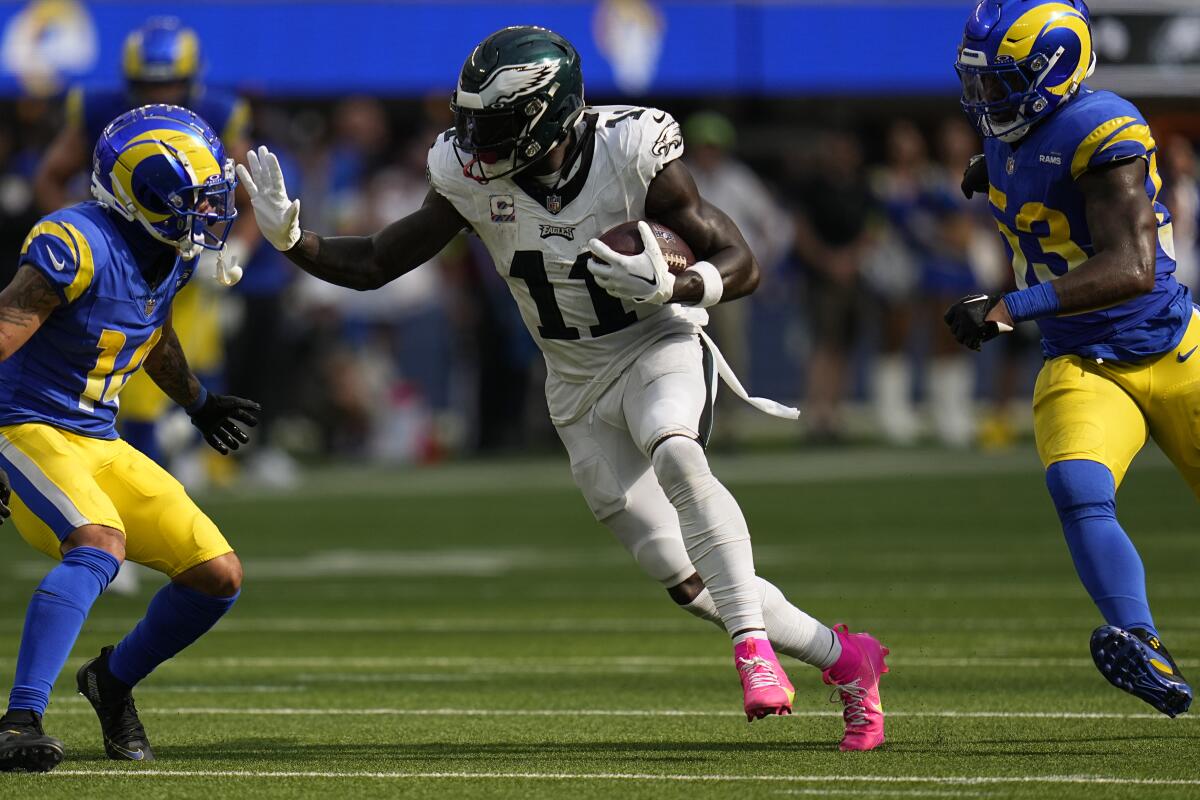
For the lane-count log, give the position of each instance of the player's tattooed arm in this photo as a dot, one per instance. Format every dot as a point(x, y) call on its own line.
point(673, 200)
point(168, 367)
point(24, 305)
point(368, 262)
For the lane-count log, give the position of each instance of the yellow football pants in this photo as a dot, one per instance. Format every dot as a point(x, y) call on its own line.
point(1105, 411)
point(62, 480)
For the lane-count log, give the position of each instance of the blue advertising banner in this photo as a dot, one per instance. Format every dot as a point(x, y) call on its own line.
point(629, 47)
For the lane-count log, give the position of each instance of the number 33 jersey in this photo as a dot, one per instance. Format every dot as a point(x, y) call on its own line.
point(1040, 211)
point(71, 370)
point(537, 236)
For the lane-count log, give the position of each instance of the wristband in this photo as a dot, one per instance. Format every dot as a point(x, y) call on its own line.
point(1032, 303)
point(714, 284)
point(198, 403)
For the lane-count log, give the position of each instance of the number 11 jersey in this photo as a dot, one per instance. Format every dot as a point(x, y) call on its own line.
point(537, 236)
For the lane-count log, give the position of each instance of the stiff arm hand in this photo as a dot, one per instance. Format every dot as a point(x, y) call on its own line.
point(278, 217)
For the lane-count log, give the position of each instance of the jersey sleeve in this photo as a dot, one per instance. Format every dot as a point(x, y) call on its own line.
point(442, 169)
point(1114, 131)
point(660, 142)
point(62, 254)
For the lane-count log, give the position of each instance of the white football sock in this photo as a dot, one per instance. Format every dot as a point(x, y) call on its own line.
point(951, 396)
point(714, 532)
point(791, 631)
point(795, 633)
point(892, 391)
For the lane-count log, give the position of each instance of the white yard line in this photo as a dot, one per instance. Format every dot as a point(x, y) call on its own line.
point(634, 776)
point(599, 712)
point(575, 664)
point(680, 623)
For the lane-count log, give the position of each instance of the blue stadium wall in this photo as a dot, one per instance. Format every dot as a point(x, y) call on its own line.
point(628, 47)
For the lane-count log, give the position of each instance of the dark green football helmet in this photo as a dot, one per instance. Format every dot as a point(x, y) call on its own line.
point(518, 95)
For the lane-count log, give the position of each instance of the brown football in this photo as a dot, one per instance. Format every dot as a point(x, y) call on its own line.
point(626, 240)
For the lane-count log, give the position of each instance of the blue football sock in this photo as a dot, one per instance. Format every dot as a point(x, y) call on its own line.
point(1107, 562)
point(177, 616)
point(56, 613)
point(144, 437)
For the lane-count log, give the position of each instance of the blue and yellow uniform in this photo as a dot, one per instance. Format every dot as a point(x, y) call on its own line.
point(1112, 376)
point(196, 310)
point(59, 399)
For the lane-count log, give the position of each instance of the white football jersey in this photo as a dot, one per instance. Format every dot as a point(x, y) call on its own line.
point(538, 237)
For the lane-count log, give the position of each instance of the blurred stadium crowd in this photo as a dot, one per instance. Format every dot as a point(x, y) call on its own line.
point(859, 225)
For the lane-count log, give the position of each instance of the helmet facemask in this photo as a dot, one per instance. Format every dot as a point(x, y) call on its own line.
point(499, 140)
point(1004, 100)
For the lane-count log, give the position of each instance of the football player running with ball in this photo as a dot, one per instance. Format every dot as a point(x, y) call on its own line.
point(537, 175)
point(89, 306)
point(1072, 179)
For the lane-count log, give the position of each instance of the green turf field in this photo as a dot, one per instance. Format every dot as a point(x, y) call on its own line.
point(470, 632)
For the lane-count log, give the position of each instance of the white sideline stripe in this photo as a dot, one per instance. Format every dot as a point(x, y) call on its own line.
point(634, 776)
point(606, 712)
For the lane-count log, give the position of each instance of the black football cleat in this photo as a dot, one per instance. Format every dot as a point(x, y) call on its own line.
point(124, 737)
point(24, 746)
point(1136, 660)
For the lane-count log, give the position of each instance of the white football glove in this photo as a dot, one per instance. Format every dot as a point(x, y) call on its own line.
point(278, 217)
point(643, 278)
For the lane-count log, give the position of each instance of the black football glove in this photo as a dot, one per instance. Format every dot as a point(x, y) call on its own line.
point(966, 320)
point(217, 419)
point(975, 177)
point(5, 494)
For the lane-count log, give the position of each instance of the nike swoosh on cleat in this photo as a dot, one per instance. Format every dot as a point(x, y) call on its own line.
point(1185, 356)
point(133, 755)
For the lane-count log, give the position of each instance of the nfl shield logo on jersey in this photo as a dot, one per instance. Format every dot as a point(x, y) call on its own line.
point(1011, 165)
point(554, 203)
point(150, 305)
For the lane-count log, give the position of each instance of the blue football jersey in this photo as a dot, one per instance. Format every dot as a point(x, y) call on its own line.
point(92, 110)
point(71, 370)
point(1041, 215)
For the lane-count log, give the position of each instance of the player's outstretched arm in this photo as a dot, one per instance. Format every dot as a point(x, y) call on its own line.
point(24, 305)
point(673, 199)
point(357, 262)
point(368, 262)
point(217, 416)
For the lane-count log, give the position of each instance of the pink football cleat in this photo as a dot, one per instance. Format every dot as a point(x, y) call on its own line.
point(766, 688)
point(855, 677)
